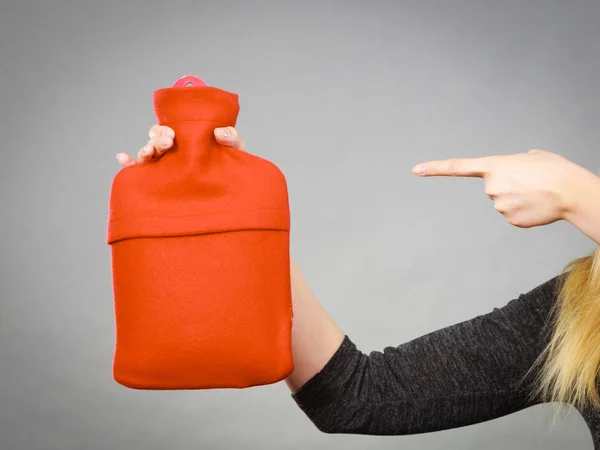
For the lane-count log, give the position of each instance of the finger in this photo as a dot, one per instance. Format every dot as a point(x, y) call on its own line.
point(536, 150)
point(161, 144)
point(125, 160)
point(229, 137)
point(161, 138)
point(145, 153)
point(501, 208)
point(457, 167)
point(160, 130)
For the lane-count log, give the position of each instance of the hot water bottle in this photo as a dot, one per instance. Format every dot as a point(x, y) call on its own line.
point(199, 242)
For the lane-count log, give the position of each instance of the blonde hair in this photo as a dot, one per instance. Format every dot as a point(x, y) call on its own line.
point(570, 363)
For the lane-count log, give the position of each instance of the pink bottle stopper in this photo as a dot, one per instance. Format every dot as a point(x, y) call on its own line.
point(189, 81)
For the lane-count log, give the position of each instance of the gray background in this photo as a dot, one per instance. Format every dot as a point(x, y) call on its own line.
point(345, 97)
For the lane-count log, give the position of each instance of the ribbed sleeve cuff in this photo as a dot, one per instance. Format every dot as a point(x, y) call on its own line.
point(325, 386)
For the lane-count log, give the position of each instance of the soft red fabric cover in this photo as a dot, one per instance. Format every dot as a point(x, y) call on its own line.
point(200, 257)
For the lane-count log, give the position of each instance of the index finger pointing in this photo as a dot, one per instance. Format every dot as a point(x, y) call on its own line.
point(456, 167)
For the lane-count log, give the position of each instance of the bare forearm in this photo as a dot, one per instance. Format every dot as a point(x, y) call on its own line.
point(315, 336)
point(584, 210)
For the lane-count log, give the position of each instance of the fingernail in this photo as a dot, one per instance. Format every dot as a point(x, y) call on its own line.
point(419, 170)
point(168, 132)
point(224, 132)
point(146, 149)
point(165, 141)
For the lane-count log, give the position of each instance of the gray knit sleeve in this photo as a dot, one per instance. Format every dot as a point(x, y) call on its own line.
point(463, 374)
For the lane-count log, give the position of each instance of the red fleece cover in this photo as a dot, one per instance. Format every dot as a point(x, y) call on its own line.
point(199, 243)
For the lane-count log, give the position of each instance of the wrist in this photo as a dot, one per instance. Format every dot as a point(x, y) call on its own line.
point(580, 195)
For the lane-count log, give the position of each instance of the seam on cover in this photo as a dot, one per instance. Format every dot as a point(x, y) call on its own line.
point(187, 216)
point(121, 229)
point(201, 233)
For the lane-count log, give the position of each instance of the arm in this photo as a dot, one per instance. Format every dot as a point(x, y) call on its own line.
point(464, 374)
point(315, 336)
point(415, 387)
point(583, 210)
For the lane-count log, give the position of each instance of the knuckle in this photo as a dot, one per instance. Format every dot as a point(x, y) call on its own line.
point(518, 221)
point(167, 131)
point(232, 134)
point(166, 142)
point(503, 207)
point(145, 151)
